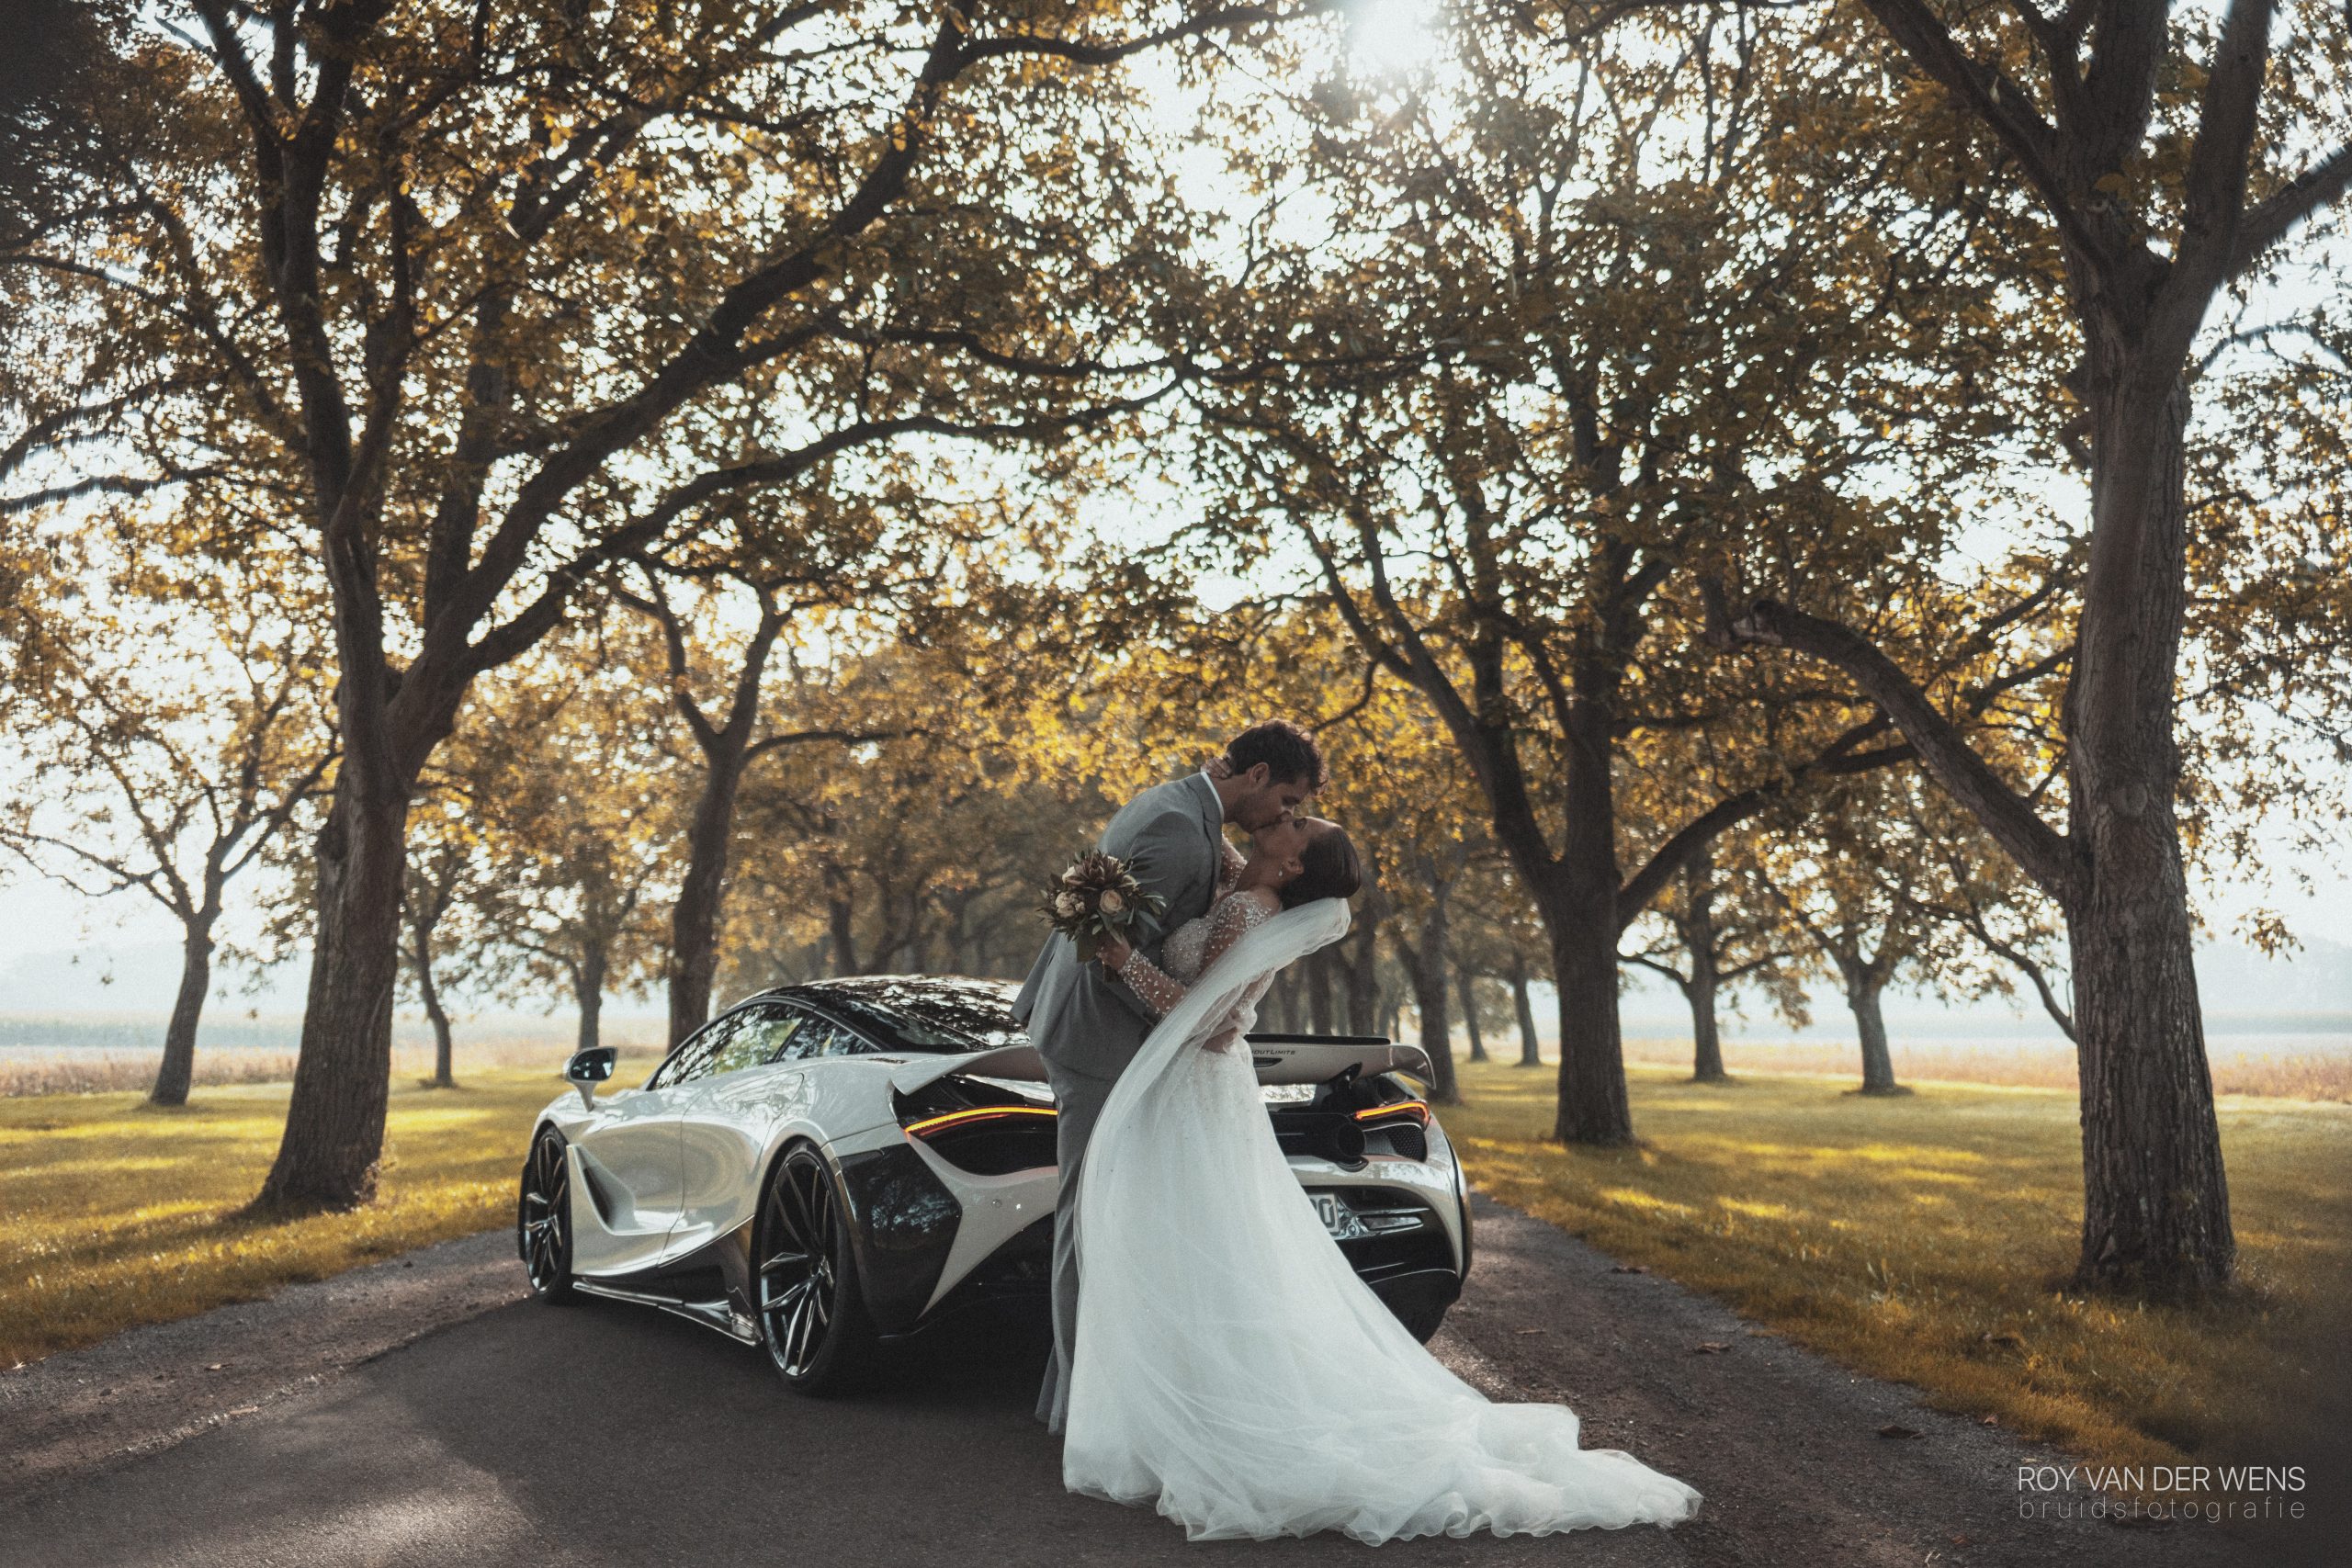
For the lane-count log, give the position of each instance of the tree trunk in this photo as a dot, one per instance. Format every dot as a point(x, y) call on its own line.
point(694, 920)
point(1578, 899)
point(1697, 928)
point(1531, 1050)
point(334, 1120)
point(588, 994)
point(1862, 993)
point(1592, 1106)
point(177, 1073)
point(2156, 1200)
point(1426, 968)
point(1362, 956)
point(421, 961)
point(1322, 1005)
point(1706, 1044)
point(840, 924)
point(1466, 987)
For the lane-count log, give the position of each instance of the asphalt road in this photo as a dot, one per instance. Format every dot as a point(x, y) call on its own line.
point(419, 1414)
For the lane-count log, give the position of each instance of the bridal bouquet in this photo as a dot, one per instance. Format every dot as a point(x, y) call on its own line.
point(1097, 897)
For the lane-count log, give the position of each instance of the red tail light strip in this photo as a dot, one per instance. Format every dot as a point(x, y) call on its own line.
point(1419, 1110)
point(981, 1113)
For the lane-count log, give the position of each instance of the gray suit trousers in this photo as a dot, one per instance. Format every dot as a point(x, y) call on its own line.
point(1080, 1100)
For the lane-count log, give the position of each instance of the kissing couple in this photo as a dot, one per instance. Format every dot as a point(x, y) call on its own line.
point(1224, 1363)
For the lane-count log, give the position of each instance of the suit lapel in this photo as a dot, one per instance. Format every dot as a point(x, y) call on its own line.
point(1211, 812)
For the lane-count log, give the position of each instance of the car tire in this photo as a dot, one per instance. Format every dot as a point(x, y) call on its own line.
point(812, 1311)
point(543, 1219)
point(1421, 1322)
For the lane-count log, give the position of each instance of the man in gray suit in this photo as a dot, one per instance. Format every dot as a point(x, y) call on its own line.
point(1087, 1024)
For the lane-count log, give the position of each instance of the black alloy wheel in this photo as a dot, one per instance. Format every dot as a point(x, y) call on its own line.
point(812, 1313)
point(543, 1219)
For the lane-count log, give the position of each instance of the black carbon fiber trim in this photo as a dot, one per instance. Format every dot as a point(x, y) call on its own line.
point(902, 1223)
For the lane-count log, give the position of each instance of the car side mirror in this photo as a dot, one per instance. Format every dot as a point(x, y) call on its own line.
point(588, 1068)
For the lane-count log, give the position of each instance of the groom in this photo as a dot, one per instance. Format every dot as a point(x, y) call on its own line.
point(1087, 1024)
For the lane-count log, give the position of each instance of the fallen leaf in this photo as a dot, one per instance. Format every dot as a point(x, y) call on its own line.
point(1710, 1347)
point(1962, 1540)
point(1896, 1429)
point(1988, 1420)
point(1530, 1331)
point(1627, 1269)
point(214, 1366)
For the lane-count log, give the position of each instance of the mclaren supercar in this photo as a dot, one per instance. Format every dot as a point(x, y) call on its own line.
point(829, 1167)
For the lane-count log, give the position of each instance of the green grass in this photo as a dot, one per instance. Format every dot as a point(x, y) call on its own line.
point(1926, 1239)
point(114, 1211)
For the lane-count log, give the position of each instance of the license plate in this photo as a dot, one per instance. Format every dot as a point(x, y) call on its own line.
point(1327, 1209)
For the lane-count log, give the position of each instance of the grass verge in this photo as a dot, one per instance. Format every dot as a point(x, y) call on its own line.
point(115, 1212)
point(1924, 1239)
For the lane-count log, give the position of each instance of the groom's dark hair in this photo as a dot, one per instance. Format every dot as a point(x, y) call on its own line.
point(1289, 752)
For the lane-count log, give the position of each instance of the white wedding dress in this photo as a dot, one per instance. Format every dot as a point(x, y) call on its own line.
point(1230, 1369)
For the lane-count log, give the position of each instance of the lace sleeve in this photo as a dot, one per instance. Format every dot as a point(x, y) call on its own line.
point(1234, 916)
point(1153, 984)
point(1234, 919)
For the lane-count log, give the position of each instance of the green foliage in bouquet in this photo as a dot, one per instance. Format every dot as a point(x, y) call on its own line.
point(1097, 897)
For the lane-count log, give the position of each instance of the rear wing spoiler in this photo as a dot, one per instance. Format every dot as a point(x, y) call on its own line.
point(1279, 1058)
point(1319, 1058)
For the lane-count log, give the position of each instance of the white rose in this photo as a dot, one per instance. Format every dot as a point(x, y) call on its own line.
point(1067, 905)
point(1111, 902)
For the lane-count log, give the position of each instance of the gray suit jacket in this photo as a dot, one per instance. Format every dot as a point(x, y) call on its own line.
point(1090, 1023)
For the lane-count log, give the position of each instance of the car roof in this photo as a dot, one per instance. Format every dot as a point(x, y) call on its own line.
point(921, 1013)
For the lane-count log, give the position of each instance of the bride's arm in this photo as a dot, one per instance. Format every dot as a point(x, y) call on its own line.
point(1158, 991)
point(1161, 991)
point(1234, 920)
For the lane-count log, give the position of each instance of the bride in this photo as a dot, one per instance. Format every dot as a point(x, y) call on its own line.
point(1229, 1367)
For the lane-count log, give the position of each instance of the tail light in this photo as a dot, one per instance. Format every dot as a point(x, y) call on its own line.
point(1403, 1125)
point(984, 1128)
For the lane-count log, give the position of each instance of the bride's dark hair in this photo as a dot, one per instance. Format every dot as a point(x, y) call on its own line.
point(1327, 866)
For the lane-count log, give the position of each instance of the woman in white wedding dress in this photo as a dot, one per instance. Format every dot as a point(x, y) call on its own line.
point(1230, 1369)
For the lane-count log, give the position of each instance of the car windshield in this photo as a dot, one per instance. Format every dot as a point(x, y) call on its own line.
point(923, 1013)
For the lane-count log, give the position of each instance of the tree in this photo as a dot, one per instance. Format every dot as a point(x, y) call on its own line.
point(2168, 158)
point(1598, 351)
point(578, 800)
point(1721, 919)
point(1849, 884)
point(921, 847)
point(850, 554)
point(455, 288)
point(444, 871)
point(729, 741)
point(179, 731)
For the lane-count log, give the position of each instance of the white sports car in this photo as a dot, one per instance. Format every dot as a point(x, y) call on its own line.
point(827, 1167)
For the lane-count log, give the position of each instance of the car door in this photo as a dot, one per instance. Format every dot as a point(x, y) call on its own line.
point(629, 1157)
point(725, 1117)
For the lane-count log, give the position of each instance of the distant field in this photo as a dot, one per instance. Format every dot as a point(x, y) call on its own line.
point(2299, 1065)
point(1926, 1239)
point(100, 1054)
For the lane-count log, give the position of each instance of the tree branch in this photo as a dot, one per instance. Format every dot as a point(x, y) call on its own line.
point(2043, 853)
